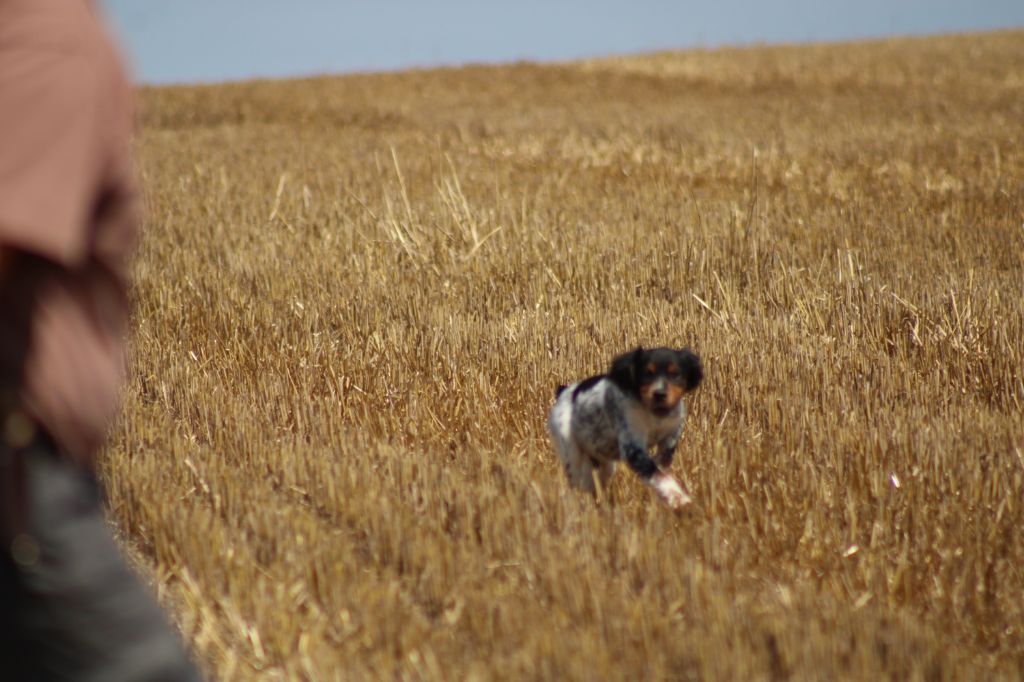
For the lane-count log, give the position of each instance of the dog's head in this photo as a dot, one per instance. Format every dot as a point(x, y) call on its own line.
point(657, 377)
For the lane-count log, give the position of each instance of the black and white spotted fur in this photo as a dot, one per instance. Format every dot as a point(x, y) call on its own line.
point(621, 415)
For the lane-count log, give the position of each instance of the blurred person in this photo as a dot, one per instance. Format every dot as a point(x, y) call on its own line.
point(70, 609)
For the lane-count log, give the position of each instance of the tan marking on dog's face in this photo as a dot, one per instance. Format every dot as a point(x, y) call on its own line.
point(673, 394)
point(647, 395)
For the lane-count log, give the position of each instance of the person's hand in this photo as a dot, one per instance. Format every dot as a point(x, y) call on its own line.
point(669, 490)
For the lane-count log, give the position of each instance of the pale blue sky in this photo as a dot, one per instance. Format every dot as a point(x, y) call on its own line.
point(212, 40)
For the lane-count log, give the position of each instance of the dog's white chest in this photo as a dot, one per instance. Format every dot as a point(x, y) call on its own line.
point(650, 428)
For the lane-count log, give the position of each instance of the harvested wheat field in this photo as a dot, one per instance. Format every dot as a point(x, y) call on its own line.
point(356, 296)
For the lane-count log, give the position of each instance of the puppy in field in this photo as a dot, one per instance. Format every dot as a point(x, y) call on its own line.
point(621, 415)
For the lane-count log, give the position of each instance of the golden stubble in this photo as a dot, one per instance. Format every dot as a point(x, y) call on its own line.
point(355, 297)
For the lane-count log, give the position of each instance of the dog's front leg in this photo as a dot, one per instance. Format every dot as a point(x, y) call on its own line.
point(667, 450)
point(663, 484)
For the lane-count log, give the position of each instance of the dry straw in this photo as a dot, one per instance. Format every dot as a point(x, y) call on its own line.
point(356, 296)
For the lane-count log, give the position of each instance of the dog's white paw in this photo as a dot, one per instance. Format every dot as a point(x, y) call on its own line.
point(670, 491)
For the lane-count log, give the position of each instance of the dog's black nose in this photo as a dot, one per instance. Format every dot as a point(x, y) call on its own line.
point(660, 396)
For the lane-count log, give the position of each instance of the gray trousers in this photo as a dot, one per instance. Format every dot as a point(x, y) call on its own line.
point(70, 609)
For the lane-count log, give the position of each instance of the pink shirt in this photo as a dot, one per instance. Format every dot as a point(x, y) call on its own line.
point(68, 219)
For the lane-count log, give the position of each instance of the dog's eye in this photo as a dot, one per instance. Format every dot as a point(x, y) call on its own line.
point(672, 371)
point(652, 368)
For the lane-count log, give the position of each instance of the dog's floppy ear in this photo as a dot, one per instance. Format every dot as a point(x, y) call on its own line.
point(623, 371)
point(690, 368)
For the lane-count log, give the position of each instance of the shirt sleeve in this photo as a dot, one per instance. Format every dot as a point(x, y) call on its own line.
point(50, 165)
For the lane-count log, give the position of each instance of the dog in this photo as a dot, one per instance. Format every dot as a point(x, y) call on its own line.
point(621, 415)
